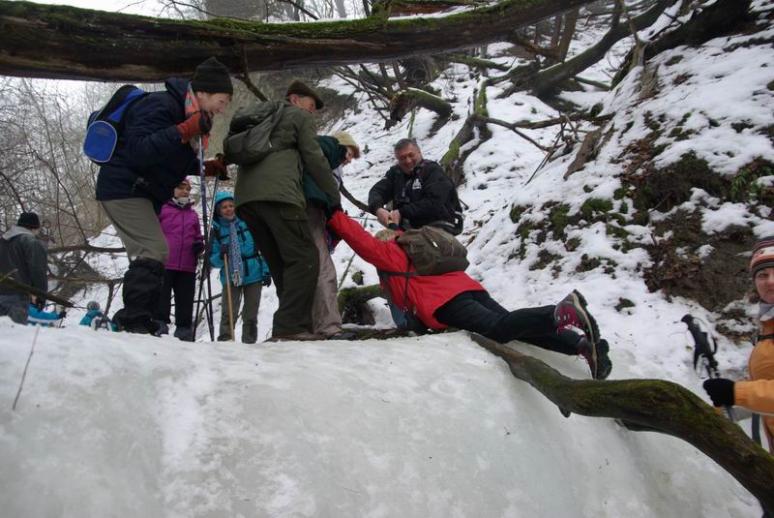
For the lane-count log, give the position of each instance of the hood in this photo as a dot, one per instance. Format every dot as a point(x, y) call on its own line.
point(16, 230)
point(221, 196)
point(178, 87)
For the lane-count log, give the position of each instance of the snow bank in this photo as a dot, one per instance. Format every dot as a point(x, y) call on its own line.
point(111, 424)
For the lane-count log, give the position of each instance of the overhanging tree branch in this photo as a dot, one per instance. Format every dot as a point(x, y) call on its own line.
point(48, 41)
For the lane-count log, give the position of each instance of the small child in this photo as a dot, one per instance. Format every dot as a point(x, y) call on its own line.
point(180, 224)
point(40, 317)
point(247, 270)
point(95, 318)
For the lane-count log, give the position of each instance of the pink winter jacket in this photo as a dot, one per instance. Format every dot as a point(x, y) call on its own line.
point(184, 236)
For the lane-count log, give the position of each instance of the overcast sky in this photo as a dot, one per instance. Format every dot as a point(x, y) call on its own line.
point(126, 6)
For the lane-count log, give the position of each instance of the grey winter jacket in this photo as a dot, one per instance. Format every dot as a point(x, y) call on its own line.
point(24, 257)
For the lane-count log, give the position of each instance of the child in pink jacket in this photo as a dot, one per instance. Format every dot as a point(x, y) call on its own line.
point(180, 224)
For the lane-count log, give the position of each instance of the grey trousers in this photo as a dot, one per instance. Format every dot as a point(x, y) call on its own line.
point(326, 319)
point(252, 296)
point(137, 224)
point(15, 306)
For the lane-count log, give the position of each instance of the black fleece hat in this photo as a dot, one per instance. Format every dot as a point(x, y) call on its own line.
point(299, 88)
point(29, 220)
point(212, 76)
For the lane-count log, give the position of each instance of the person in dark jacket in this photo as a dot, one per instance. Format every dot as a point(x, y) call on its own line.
point(454, 299)
point(23, 258)
point(270, 199)
point(247, 272)
point(158, 146)
point(326, 318)
point(420, 193)
point(180, 224)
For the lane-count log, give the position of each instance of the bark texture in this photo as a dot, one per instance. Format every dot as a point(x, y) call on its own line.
point(655, 405)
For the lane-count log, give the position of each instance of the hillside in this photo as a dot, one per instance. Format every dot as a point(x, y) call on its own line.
point(656, 222)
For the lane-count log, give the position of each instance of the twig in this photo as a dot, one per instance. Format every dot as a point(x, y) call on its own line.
point(26, 366)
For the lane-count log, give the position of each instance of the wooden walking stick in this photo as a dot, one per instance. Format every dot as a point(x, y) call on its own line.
point(228, 295)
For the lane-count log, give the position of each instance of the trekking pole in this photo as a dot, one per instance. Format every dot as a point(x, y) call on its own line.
point(702, 350)
point(206, 224)
point(228, 295)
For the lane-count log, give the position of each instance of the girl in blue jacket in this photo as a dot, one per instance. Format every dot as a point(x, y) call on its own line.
point(247, 271)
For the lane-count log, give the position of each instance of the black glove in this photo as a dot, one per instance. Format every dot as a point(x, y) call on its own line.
point(198, 247)
point(223, 250)
point(721, 391)
point(40, 304)
point(266, 281)
point(62, 314)
point(330, 211)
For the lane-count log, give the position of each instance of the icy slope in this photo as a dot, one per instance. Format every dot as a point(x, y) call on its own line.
point(110, 424)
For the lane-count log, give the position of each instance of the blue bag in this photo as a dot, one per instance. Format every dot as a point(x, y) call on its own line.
point(105, 125)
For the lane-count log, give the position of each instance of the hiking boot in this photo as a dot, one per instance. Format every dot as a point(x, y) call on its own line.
point(184, 334)
point(297, 337)
point(596, 355)
point(571, 314)
point(161, 328)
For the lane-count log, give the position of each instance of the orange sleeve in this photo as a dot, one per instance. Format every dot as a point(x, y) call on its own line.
point(756, 395)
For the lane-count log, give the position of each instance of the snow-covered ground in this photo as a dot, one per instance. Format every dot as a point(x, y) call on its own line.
point(109, 424)
point(116, 425)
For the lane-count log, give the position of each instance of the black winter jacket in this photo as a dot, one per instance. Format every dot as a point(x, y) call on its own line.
point(24, 255)
point(425, 196)
point(150, 160)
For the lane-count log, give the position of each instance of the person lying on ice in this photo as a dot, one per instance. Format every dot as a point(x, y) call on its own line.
point(454, 299)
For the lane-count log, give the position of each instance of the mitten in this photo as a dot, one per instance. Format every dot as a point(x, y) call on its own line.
point(216, 167)
point(721, 391)
point(197, 124)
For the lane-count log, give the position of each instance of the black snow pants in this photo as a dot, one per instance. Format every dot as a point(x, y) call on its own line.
point(183, 284)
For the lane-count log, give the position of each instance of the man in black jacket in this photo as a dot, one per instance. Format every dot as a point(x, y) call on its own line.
point(23, 258)
point(420, 192)
point(156, 150)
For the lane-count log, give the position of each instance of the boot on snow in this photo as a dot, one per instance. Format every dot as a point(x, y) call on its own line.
point(596, 355)
point(572, 314)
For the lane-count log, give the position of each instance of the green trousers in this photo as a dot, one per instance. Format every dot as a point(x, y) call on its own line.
point(282, 234)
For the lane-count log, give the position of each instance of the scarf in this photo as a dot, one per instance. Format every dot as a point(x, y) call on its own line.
point(236, 266)
point(191, 107)
point(765, 311)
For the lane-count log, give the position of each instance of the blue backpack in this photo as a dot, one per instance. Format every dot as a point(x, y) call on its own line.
point(105, 124)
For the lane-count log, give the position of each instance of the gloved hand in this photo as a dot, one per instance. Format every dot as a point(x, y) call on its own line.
point(197, 124)
point(266, 281)
point(216, 167)
point(330, 211)
point(198, 247)
point(223, 250)
point(40, 304)
point(62, 314)
point(721, 391)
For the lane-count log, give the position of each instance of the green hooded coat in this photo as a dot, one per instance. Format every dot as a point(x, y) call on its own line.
point(278, 177)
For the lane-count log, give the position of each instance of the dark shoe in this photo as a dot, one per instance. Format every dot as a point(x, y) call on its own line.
point(571, 314)
point(596, 355)
point(142, 326)
point(163, 328)
point(224, 338)
point(342, 335)
point(297, 337)
point(184, 334)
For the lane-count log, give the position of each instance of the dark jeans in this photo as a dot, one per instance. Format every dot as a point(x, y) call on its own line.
point(183, 284)
point(476, 311)
point(15, 305)
point(282, 234)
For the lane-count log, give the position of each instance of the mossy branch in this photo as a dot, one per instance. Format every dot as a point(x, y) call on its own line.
point(655, 405)
point(406, 100)
point(54, 41)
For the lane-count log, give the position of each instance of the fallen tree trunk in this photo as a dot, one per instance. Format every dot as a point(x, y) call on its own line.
point(657, 405)
point(65, 42)
point(547, 80)
point(454, 158)
point(410, 98)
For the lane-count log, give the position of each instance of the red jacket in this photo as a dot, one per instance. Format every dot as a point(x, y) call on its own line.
point(426, 293)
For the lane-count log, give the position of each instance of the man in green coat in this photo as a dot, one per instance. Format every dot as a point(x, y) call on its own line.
point(270, 199)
